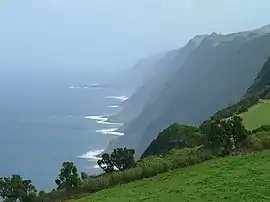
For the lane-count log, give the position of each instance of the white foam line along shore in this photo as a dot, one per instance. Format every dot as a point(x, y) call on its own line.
point(111, 131)
point(92, 155)
point(113, 106)
point(102, 120)
point(122, 98)
point(84, 86)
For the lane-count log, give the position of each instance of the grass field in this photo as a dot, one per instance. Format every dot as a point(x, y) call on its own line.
point(257, 115)
point(238, 178)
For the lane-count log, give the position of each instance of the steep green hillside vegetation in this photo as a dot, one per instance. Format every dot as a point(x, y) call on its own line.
point(238, 178)
point(258, 115)
point(174, 137)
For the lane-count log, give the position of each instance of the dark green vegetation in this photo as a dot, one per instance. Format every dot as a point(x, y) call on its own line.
point(174, 137)
point(237, 178)
point(213, 133)
point(15, 188)
point(69, 177)
point(120, 159)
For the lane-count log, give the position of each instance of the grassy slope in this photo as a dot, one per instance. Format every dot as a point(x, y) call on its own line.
point(257, 115)
point(237, 178)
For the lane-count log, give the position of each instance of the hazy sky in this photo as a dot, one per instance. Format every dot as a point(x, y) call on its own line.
point(113, 33)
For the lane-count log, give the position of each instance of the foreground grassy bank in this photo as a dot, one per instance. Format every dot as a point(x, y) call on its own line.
point(237, 178)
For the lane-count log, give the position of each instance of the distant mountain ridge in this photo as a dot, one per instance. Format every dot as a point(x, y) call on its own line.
point(208, 74)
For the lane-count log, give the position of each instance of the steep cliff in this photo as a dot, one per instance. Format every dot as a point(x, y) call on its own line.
point(201, 80)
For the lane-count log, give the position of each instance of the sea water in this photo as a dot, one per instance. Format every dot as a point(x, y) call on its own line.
point(50, 117)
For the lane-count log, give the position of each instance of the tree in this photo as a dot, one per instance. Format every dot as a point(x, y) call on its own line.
point(15, 188)
point(41, 193)
point(68, 177)
point(237, 130)
point(84, 175)
point(105, 163)
point(120, 159)
point(218, 136)
point(123, 158)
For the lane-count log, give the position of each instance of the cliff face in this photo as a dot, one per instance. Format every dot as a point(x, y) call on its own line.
point(262, 81)
point(260, 89)
point(208, 74)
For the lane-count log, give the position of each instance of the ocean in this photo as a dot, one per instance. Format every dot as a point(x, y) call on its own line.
point(48, 117)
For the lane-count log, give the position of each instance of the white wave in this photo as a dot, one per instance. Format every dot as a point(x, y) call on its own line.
point(111, 131)
point(92, 155)
point(116, 133)
point(98, 118)
point(94, 85)
point(75, 87)
point(122, 98)
point(110, 123)
point(96, 166)
point(113, 106)
point(106, 130)
point(102, 120)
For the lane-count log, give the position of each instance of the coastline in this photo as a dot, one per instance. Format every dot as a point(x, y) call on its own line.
point(95, 154)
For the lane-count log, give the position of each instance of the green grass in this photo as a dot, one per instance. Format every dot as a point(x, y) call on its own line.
point(257, 115)
point(238, 178)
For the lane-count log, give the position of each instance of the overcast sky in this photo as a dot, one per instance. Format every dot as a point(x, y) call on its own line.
point(113, 33)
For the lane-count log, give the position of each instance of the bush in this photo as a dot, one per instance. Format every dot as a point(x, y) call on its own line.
point(132, 174)
point(257, 141)
point(96, 184)
point(262, 128)
point(154, 165)
point(178, 158)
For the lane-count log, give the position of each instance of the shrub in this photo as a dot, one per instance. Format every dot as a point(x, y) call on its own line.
point(132, 175)
point(96, 184)
point(257, 141)
point(178, 158)
point(154, 165)
point(262, 128)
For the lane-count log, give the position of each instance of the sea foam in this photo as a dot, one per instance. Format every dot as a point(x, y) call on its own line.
point(122, 98)
point(113, 106)
point(102, 120)
point(110, 131)
point(92, 155)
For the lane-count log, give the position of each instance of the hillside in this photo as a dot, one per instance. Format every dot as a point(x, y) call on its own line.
point(258, 115)
point(254, 111)
point(213, 74)
point(238, 178)
point(174, 137)
point(260, 89)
